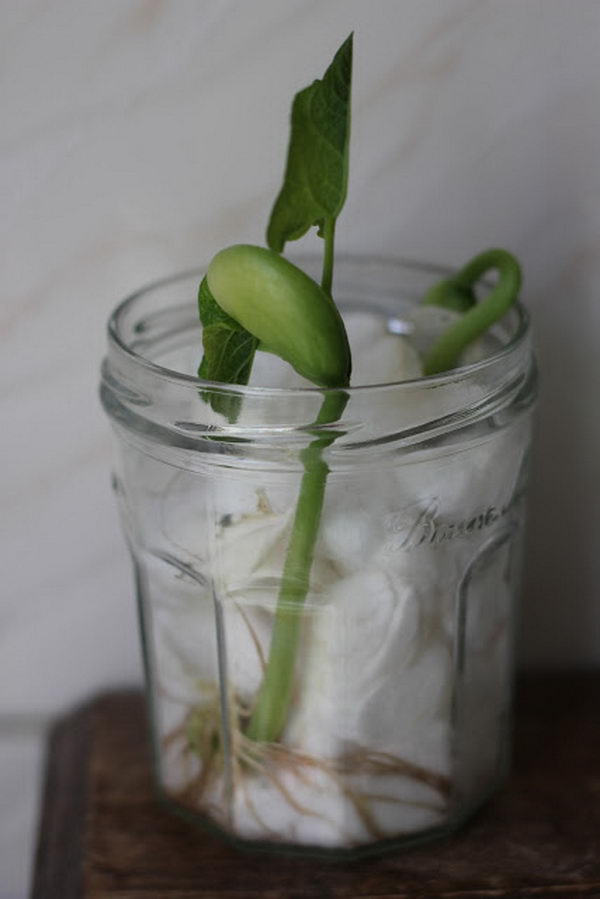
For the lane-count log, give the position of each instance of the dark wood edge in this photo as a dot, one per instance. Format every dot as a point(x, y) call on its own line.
point(65, 824)
point(59, 853)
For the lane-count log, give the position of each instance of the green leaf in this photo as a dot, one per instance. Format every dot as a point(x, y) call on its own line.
point(316, 175)
point(209, 310)
point(228, 353)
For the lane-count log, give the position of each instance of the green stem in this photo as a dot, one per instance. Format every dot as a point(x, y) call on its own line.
point(271, 709)
point(476, 320)
point(329, 238)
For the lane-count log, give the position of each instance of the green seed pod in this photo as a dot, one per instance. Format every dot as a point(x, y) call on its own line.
point(285, 309)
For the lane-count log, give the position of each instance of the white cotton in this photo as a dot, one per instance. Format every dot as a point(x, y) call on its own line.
point(379, 357)
point(251, 547)
point(192, 504)
point(350, 531)
point(185, 648)
point(357, 524)
point(376, 668)
point(365, 632)
point(249, 556)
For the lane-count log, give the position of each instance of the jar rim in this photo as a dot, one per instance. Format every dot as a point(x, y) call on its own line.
point(173, 376)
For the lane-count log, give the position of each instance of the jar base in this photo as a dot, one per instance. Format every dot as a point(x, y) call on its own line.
point(373, 849)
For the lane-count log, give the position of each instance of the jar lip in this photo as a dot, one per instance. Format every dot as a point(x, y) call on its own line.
point(190, 381)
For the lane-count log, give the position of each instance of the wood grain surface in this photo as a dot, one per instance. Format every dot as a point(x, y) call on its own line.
point(103, 833)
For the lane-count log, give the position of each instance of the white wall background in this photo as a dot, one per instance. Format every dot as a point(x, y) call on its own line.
point(140, 136)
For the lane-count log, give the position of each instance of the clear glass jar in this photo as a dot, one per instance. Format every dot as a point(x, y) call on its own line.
point(397, 726)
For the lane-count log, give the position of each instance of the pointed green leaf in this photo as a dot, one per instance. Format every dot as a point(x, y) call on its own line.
point(316, 175)
point(228, 353)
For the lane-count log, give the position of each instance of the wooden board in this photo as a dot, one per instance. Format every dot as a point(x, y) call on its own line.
point(103, 834)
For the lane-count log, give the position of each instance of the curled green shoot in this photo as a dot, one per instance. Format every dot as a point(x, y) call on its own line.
point(457, 293)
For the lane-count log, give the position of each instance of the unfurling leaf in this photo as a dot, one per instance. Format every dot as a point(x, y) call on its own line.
point(316, 175)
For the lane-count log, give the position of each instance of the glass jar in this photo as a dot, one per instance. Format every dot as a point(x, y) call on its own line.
point(396, 727)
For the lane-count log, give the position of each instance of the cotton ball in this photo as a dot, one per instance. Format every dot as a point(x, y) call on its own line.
point(389, 358)
point(348, 538)
point(252, 544)
point(363, 329)
point(366, 623)
point(307, 807)
point(269, 370)
point(355, 520)
point(380, 622)
point(247, 628)
point(193, 505)
point(417, 723)
point(250, 555)
point(185, 648)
